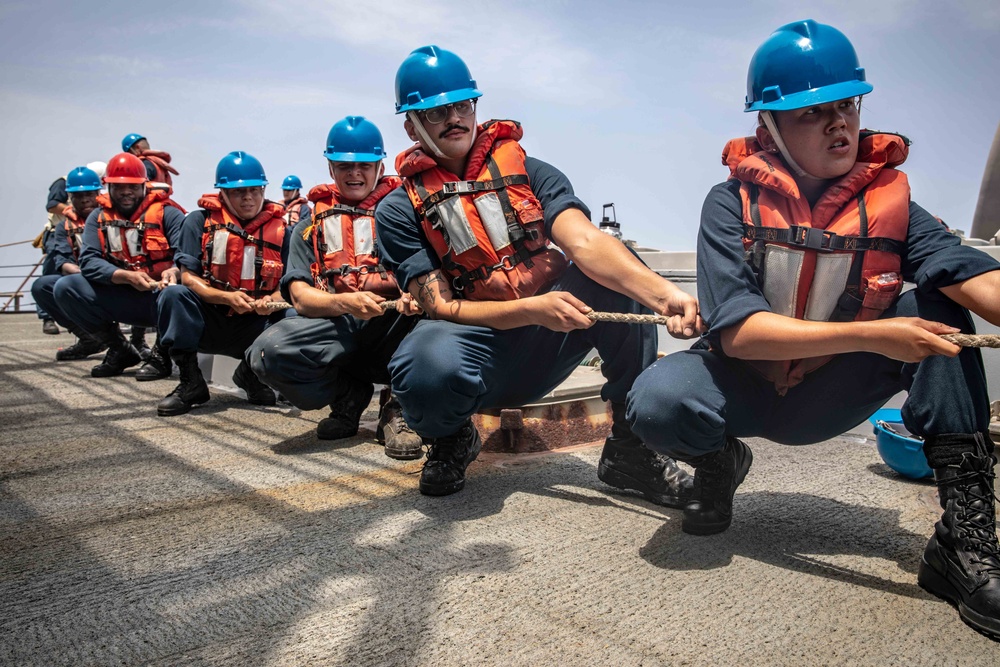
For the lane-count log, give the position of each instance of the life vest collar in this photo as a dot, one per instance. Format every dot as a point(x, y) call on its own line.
point(152, 197)
point(329, 191)
point(213, 203)
point(414, 160)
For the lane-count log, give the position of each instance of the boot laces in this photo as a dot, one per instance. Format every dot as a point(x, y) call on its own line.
point(977, 520)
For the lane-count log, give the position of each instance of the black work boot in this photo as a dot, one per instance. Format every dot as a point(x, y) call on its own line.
point(626, 463)
point(447, 459)
point(716, 477)
point(961, 563)
point(84, 346)
point(50, 327)
point(346, 409)
point(400, 441)
point(190, 392)
point(156, 367)
point(258, 393)
point(138, 339)
point(121, 354)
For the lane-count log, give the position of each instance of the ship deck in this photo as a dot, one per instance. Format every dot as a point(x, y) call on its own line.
point(232, 536)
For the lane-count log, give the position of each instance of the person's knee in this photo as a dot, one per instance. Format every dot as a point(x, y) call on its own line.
point(174, 295)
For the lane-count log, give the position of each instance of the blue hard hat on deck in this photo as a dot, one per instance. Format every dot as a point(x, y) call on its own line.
point(291, 182)
point(354, 139)
point(432, 77)
point(129, 140)
point(239, 170)
point(900, 452)
point(82, 179)
point(802, 64)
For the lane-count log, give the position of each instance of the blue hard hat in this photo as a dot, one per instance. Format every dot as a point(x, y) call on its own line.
point(802, 64)
point(432, 77)
point(239, 170)
point(354, 139)
point(903, 454)
point(82, 179)
point(129, 140)
point(291, 182)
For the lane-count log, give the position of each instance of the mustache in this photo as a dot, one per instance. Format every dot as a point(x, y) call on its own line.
point(448, 129)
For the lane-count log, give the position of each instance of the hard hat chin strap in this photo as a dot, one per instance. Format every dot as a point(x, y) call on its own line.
point(426, 139)
point(232, 209)
point(772, 127)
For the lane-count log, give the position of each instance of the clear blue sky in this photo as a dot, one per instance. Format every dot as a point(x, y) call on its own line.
point(632, 100)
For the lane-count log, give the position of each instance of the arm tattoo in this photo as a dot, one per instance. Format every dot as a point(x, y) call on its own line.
point(428, 293)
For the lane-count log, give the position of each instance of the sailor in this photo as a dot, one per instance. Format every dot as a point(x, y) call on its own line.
point(231, 261)
point(341, 345)
point(470, 236)
point(157, 163)
point(62, 250)
point(296, 206)
point(127, 257)
point(56, 202)
point(802, 255)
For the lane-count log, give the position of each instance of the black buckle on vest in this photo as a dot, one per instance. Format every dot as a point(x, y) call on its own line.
point(812, 238)
point(462, 187)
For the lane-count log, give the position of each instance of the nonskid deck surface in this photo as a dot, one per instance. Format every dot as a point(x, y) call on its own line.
point(232, 536)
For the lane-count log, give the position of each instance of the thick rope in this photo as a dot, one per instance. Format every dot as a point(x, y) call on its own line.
point(962, 340)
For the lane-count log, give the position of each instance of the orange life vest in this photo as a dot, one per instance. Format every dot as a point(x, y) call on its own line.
point(139, 243)
point(161, 161)
point(73, 228)
point(343, 241)
point(242, 256)
point(488, 230)
point(293, 209)
point(837, 260)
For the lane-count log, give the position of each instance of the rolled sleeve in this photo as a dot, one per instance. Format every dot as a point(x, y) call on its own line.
point(728, 291)
point(553, 190)
point(402, 245)
point(936, 258)
point(57, 194)
point(188, 245)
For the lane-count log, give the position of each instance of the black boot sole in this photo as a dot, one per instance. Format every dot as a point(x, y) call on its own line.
point(939, 586)
point(149, 377)
point(183, 409)
point(693, 526)
point(456, 486)
point(622, 481)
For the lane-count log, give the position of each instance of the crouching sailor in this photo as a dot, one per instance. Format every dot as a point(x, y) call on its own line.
point(83, 186)
point(801, 259)
point(231, 262)
point(127, 257)
point(470, 238)
point(342, 345)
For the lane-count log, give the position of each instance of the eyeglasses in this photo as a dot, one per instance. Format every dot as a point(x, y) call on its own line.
point(438, 115)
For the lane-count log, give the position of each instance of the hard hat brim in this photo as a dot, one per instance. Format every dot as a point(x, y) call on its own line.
point(450, 97)
point(124, 179)
point(353, 157)
point(812, 97)
point(248, 183)
point(84, 188)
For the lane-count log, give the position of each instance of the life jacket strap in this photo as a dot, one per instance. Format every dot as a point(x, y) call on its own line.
point(456, 188)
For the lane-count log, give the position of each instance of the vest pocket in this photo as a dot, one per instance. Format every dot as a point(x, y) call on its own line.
point(220, 245)
point(363, 237)
point(491, 214)
point(782, 270)
point(114, 237)
point(452, 216)
point(333, 236)
point(883, 289)
point(247, 268)
point(829, 282)
point(132, 239)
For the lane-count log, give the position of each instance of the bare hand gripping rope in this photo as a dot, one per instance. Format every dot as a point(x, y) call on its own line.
point(962, 340)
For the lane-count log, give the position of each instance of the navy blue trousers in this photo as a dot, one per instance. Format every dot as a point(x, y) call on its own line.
point(307, 358)
point(95, 306)
point(444, 372)
point(43, 292)
point(685, 404)
point(188, 324)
